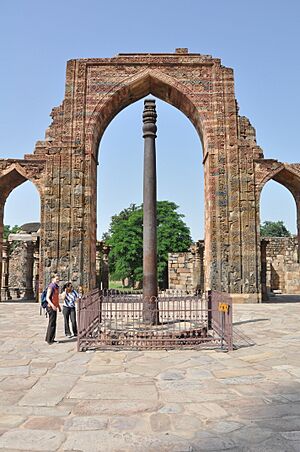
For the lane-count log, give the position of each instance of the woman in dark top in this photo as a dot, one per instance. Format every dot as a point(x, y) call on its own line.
point(52, 298)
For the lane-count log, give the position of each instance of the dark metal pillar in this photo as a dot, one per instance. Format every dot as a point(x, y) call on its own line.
point(150, 307)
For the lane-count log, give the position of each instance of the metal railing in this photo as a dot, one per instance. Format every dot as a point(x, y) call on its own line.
point(115, 320)
point(11, 293)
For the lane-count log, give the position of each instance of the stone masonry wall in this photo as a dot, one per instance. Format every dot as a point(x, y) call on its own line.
point(283, 269)
point(186, 270)
point(180, 268)
point(17, 267)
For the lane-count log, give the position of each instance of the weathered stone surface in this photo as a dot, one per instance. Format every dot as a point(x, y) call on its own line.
point(10, 420)
point(39, 440)
point(59, 411)
point(10, 397)
point(126, 423)
point(172, 375)
point(186, 425)
point(18, 370)
point(48, 391)
point(107, 391)
point(117, 407)
point(11, 383)
point(86, 423)
point(208, 410)
point(160, 422)
point(98, 441)
point(44, 423)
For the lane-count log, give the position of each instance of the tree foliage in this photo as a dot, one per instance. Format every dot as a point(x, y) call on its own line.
point(125, 236)
point(274, 229)
point(7, 229)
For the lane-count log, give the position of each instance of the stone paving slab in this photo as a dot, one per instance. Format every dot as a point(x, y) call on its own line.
point(55, 399)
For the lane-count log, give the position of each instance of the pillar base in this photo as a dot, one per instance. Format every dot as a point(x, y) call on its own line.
point(29, 295)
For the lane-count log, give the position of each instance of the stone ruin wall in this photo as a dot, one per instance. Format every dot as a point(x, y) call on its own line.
point(180, 271)
point(17, 268)
point(283, 269)
point(186, 269)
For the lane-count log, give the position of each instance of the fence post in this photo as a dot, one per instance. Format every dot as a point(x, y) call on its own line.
point(209, 310)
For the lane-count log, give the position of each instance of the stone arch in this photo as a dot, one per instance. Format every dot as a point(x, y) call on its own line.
point(130, 90)
point(135, 88)
point(11, 177)
point(284, 174)
point(288, 177)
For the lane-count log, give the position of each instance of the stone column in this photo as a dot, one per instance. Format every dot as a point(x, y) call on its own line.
point(5, 271)
point(103, 265)
point(197, 251)
point(263, 276)
point(36, 270)
point(150, 308)
point(29, 293)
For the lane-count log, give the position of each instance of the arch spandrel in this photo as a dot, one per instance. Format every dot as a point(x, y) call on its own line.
point(13, 174)
point(285, 174)
point(134, 88)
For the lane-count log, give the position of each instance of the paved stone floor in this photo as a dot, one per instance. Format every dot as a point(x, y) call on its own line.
point(55, 399)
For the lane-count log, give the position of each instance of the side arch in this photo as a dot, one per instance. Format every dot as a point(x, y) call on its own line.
point(289, 178)
point(11, 177)
point(15, 175)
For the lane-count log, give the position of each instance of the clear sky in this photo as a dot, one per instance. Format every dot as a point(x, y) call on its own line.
point(259, 39)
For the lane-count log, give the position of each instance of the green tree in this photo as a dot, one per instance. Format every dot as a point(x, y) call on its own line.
point(125, 236)
point(274, 229)
point(7, 229)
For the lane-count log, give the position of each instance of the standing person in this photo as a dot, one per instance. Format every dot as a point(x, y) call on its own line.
point(69, 297)
point(52, 298)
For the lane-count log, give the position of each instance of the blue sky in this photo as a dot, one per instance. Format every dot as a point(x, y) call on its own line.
point(258, 39)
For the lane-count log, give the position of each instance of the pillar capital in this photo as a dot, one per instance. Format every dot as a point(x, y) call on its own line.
point(149, 119)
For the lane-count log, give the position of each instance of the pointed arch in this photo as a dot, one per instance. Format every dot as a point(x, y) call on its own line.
point(285, 175)
point(133, 89)
point(289, 178)
point(12, 177)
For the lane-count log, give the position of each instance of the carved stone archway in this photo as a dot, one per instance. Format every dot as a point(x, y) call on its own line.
point(201, 88)
point(14, 173)
point(285, 174)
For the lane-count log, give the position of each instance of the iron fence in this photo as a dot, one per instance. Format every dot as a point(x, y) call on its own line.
point(11, 293)
point(116, 320)
point(220, 316)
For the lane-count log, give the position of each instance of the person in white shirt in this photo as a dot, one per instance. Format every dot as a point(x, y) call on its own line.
point(69, 297)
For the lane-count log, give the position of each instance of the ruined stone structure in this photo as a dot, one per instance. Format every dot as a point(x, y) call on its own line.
point(186, 270)
point(282, 266)
point(64, 166)
point(20, 264)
